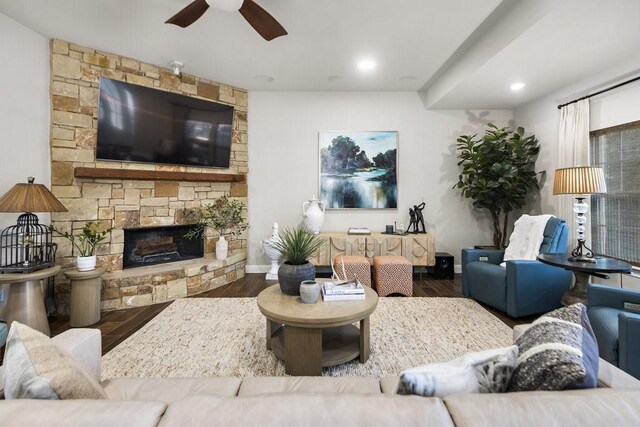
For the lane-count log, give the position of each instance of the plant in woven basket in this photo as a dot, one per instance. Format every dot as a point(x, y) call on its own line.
point(296, 246)
point(498, 173)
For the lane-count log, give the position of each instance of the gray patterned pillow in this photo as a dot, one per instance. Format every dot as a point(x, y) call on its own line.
point(558, 352)
point(482, 372)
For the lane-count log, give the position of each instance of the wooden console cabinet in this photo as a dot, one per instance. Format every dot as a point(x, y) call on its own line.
point(417, 248)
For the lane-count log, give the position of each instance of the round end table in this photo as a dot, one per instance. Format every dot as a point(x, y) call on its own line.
point(25, 302)
point(582, 271)
point(85, 296)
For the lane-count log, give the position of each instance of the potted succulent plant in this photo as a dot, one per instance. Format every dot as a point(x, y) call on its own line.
point(225, 216)
point(85, 243)
point(297, 246)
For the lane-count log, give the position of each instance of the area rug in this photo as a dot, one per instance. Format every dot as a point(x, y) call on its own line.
point(206, 337)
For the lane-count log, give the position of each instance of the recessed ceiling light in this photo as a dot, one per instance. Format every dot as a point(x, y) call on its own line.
point(264, 79)
point(366, 65)
point(406, 79)
point(335, 78)
point(517, 86)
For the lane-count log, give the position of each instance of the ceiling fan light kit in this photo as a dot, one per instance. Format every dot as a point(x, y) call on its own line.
point(256, 16)
point(226, 5)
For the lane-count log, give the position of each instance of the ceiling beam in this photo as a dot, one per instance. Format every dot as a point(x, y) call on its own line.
point(509, 20)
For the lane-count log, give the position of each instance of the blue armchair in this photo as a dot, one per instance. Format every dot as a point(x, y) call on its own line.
point(523, 288)
point(617, 330)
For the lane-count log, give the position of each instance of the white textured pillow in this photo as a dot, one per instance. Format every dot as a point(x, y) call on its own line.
point(487, 371)
point(35, 368)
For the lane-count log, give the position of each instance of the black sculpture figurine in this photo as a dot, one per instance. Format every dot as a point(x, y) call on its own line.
point(419, 218)
point(412, 222)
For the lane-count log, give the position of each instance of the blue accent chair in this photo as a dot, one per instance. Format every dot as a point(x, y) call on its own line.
point(523, 288)
point(617, 330)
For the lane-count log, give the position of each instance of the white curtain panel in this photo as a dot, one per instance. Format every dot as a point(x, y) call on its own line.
point(573, 151)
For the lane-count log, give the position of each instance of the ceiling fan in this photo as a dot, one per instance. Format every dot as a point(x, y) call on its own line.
point(256, 16)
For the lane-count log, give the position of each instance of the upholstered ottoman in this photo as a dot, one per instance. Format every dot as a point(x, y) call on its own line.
point(347, 267)
point(393, 275)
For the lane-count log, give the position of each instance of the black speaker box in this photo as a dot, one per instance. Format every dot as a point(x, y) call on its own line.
point(444, 266)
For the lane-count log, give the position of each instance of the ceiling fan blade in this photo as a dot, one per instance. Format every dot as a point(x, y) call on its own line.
point(189, 14)
point(261, 20)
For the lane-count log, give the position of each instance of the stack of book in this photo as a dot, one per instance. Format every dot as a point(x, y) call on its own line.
point(342, 291)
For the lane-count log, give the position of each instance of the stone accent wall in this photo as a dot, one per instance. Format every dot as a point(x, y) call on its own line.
point(75, 75)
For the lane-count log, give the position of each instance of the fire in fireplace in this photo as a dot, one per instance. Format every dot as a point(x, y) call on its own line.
point(157, 245)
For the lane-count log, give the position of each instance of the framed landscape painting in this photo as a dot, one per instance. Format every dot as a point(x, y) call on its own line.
point(358, 170)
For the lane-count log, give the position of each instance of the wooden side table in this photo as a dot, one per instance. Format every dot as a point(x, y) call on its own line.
point(25, 302)
point(85, 296)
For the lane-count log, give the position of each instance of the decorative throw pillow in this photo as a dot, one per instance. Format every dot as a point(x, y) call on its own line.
point(558, 352)
point(483, 372)
point(35, 368)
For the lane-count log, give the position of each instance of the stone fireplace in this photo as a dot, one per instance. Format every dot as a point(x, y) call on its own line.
point(132, 197)
point(159, 245)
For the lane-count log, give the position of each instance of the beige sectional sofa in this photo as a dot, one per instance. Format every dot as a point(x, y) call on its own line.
point(315, 401)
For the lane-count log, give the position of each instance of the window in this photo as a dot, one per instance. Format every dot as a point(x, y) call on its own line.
point(615, 215)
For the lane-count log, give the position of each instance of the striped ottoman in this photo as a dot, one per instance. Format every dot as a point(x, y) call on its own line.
point(346, 267)
point(393, 275)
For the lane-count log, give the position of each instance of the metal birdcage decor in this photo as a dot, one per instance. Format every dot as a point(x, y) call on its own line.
point(28, 246)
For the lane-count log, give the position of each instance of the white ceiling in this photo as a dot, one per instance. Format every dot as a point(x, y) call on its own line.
point(547, 44)
point(326, 38)
point(575, 39)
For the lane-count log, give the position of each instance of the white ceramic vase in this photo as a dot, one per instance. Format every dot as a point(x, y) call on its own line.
point(222, 248)
point(86, 263)
point(272, 253)
point(313, 214)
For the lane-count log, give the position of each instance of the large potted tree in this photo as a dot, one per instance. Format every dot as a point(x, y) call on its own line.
point(498, 173)
point(297, 246)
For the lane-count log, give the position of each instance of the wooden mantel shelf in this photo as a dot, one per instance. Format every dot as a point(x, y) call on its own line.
point(150, 175)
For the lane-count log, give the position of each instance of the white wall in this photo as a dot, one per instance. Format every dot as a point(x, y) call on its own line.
point(24, 108)
point(542, 116)
point(283, 162)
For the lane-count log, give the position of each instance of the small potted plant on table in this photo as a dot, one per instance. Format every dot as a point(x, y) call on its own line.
point(85, 243)
point(297, 246)
point(224, 215)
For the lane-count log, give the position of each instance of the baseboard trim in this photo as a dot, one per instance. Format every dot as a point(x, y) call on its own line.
point(457, 268)
point(256, 268)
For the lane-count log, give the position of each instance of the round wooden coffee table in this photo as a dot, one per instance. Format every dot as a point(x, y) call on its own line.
point(308, 337)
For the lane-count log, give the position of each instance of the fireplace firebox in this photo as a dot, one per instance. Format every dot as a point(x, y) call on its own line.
point(157, 245)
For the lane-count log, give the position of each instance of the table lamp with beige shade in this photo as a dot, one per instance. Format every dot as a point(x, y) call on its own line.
point(580, 181)
point(27, 246)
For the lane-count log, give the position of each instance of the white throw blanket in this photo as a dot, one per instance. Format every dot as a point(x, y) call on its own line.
point(527, 236)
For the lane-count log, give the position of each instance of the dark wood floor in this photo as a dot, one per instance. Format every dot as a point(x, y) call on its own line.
point(116, 326)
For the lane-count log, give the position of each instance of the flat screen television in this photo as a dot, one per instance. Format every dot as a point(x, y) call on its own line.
point(140, 124)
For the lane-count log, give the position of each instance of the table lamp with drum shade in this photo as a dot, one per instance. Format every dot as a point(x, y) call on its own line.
point(27, 246)
point(580, 181)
